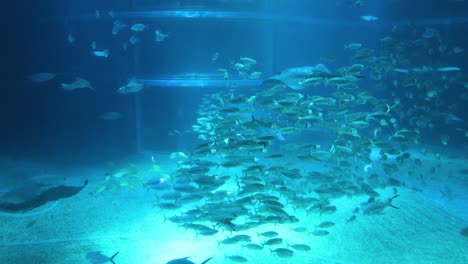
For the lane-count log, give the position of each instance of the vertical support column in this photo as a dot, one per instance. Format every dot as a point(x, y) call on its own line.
point(138, 134)
point(138, 105)
point(139, 148)
point(269, 40)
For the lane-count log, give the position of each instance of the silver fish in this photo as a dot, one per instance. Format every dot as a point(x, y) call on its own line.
point(41, 77)
point(448, 69)
point(79, 83)
point(138, 27)
point(133, 86)
point(160, 36)
point(185, 261)
point(104, 53)
point(294, 77)
point(369, 18)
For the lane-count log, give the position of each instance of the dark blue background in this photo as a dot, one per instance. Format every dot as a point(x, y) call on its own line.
point(45, 122)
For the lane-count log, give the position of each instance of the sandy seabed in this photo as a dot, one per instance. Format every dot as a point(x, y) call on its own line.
point(426, 229)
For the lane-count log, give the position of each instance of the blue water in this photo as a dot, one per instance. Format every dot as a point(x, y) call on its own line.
point(56, 137)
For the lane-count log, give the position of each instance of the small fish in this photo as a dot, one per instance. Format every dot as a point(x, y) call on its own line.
point(238, 66)
point(353, 46)
point(104, 53)
point(367, 167)
point(268, 234)
point(236, 258)
point(252, 246)
point(79, 83)
point(228, 241)
point(254, 75)
point(174, 155)
point(282, 252)
point(242, 238)
point(326, 224)
point(402, 70)
point(373, 207)
point(133, 86)
point(93, 45)
point(160, 36)
point(351, 219)
point(301, 247)
point(207, 232)
point(299, 229)
point(273, 241)
point(96, 257)
point(117, 27)
point(138, 27)
point(319, 232)
point(185, 261)
point(41, 77)
point(133, 40)
point(70, 39)
point(369, 18)
point(448, 69)
point(464, 232)
point(247, 60)
point(458, 50)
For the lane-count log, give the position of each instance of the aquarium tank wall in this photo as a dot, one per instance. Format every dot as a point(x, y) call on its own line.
point(234, 131)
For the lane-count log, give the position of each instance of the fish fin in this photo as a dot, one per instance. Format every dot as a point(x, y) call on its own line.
point(320, 68)
point(390, 201)
point(207, 260)
point(111, 259)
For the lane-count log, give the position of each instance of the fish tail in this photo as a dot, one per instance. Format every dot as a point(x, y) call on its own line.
point(390, 201)
point(395, 196)
point(111, 259)
point(208, 259)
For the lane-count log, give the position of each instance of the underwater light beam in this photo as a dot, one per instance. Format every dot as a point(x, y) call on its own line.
point(197, 83)
point(203, 14)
